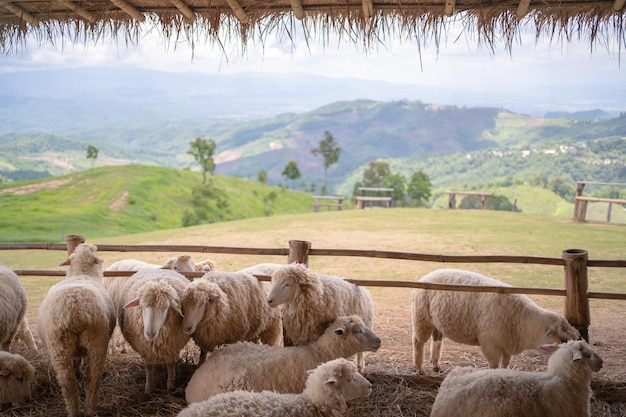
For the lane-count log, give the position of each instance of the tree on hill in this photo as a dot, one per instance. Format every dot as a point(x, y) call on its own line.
point(330, 151)
point(419, 188)
point(398, 183)
point(291, 172)
point(375, 172)
point(92, 153)
point(202, 151)
point(261, 176)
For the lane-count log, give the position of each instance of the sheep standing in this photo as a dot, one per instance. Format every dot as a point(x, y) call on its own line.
point(328, 389)
point(563, 390)
point(75, 321)
point(501, 324)
point(253, 367)
point(309, 301)
point(150, 317)
point(16, 376)
point(227, 307)
point(13, 304)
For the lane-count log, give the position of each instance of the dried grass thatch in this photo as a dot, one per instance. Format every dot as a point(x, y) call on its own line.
point(364, 22)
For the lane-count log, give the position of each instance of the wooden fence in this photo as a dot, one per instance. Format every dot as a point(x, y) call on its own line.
point(580, 202)
point(574, 261)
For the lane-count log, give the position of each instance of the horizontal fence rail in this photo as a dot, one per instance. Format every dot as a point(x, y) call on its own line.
point(574, 261)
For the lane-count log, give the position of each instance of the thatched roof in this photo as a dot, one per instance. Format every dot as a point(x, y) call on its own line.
point(365, 22)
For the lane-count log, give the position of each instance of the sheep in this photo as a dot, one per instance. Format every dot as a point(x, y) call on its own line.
point(152, 330)
point(75, 321)
point(13, 304)
point(328, 389)
point(501, 324)
point(16, 376)
point(205, 266)
point(562, 390)
point(309, 301)
point(254, 367)
point(227, 307)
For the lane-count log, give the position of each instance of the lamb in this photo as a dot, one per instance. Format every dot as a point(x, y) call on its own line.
point(309, 301)
point(16, 376)
point(254, 367)
point(501, 324)
point(227, 307)
point(13, 304)
point(75, 321)
point(328, 389)
point(562, 390)
point(154, 331)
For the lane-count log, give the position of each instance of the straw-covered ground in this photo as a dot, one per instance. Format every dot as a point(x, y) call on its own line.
point(397, 391)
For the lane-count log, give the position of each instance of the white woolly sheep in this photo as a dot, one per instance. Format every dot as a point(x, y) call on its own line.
point(205, 266)
point(75, 321)
point(16, 376)
point(152, 330)
point(328, 389)
point(309, 301)
point(562, 390)
point(13, 304)
point(501, 324)
point(253, 367)
point(228, 307)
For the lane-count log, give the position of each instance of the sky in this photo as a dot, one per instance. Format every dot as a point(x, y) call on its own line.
point(457, 64)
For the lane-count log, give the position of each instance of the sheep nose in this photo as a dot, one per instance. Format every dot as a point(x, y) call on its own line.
point(188, 330)
point(150, 335)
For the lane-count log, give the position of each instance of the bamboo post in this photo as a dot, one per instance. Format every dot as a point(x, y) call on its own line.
point(72, 242)
point(608, 213)
point(579, 192)
point(299, 252)
point(576, 286)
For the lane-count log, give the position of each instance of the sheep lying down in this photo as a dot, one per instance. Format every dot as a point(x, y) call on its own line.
point(328, 389)
point(563, 390)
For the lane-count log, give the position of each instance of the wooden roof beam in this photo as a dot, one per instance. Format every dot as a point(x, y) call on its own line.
point(522, 8)
point(184, 9)
point(449, 7)
point(368, 8)
point(241, 15)
point(21, 13)
point(85, 14)
point(618, 5)
point(298, 10)
point(130, 10)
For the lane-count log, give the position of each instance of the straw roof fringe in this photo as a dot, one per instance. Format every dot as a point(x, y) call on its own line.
point(366, 23)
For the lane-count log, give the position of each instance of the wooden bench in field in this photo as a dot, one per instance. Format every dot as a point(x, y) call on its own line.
point(363, 199)
point(484, 197)
point(319, 198)
point(580, 203)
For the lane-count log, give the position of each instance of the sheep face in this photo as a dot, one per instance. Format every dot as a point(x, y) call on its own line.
point(351, 385)
point(368, 340)
point(560, 331)
point(182, 263)
point(196, 299)
point(287, 281)
point(576, 351)
point(155, 300)
point(16, 376)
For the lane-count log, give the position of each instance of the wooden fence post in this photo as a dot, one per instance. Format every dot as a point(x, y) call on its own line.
point(578, 212)
point(73, 241)
point(576, 285)
point(299, 252)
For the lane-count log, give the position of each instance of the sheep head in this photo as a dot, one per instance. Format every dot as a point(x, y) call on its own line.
point(16, 376)
point(287, 281)
point(199, 296)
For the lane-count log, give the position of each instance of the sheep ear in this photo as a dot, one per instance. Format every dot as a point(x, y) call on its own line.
point(176, 306)
point(65, 262)
point(549, 347)
point(217, 298)
point(310, 371)
point(134, 303)
point(98, 260)
point(577, 356)
point(330, 381)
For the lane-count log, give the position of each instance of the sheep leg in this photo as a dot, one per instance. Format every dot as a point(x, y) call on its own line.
point(171, 375)
point(436, 345)
point(504, 361)
point(420, 337)
point(64, 366)
point(360, 362)
point(202, 357)
point(95, 369)
point(149, 378)
point(493, 355)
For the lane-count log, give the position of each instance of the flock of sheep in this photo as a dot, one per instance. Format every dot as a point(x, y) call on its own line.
point(284, 347)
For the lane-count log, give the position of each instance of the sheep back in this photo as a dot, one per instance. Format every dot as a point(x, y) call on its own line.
point(16, 377)
point(502, 324)
point(13, 305)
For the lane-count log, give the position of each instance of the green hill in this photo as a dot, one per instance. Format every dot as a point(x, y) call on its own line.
point(113, 201)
